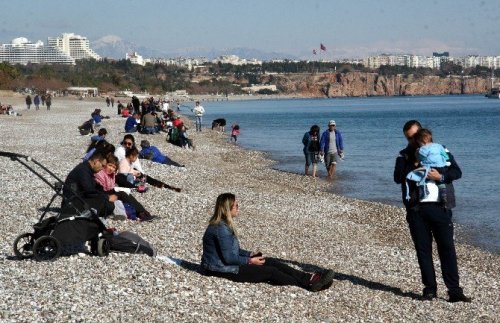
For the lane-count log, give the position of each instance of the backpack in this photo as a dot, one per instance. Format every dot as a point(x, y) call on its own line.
point(130, 242)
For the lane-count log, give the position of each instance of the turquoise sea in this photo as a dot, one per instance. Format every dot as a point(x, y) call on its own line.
point(372, 128)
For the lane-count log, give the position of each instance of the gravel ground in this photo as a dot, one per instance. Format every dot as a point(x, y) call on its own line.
point(284, 215)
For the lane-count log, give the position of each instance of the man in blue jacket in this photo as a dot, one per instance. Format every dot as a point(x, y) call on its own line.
point(154, 154)
point(331, 147)
point(132, 123)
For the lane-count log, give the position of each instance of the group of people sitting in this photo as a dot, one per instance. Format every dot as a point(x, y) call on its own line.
point(108, 176)
point(8, 110)
point(147, 120)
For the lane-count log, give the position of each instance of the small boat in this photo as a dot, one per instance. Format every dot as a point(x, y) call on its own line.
point(494, 92)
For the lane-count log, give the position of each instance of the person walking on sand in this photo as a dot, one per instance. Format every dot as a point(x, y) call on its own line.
point(48, 101)
point(36, 102)
point(198, 111)
point(430, 219)
point(311, 149)
point(28, 101)
point(331, 147)
point(222, 256)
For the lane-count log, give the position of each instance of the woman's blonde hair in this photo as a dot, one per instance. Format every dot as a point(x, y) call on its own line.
point(222, 211)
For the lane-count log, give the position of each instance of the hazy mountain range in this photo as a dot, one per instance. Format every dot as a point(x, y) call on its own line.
point(112, 46)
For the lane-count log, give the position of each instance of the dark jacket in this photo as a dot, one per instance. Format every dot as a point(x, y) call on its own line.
point(81, 180)
point(130, 124)
point(405, 163)
point(221, 250)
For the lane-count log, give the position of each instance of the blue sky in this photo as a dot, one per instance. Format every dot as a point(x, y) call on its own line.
point(348, 28)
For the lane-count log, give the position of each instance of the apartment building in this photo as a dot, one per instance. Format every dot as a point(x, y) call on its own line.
point(22, 51)
point(75, 46)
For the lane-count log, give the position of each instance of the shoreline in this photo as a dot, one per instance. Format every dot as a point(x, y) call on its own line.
point(285, 215)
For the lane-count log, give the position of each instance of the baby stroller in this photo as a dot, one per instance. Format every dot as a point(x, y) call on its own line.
point(66, 231)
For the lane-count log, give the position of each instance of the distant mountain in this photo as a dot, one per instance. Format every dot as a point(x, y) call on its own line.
point(112, 46)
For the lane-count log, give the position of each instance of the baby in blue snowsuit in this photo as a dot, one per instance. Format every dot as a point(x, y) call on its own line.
point(430, 155)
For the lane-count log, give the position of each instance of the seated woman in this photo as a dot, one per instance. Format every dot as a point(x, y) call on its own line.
point(106, 179)
point(128, 176)
point(223, 257)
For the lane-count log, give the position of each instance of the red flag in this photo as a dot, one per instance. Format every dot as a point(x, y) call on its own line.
point(322, 47)
point(314, 51)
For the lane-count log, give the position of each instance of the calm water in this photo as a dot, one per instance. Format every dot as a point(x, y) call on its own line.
point(372, 128)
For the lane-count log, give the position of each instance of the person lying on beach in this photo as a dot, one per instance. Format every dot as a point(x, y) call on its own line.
point(101, 135)
point(101, 146)
point(223, 257)
point(154, 154)
point(106, 179)
point(128, 142)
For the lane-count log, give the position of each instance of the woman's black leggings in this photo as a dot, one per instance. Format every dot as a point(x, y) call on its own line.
point(273, 272)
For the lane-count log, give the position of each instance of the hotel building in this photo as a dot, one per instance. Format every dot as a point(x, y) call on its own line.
point(75, 46)
point(22, 51)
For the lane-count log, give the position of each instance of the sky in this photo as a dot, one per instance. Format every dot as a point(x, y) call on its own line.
point(347, 28)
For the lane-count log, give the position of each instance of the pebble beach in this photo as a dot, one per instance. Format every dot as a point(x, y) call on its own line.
point(286, 216)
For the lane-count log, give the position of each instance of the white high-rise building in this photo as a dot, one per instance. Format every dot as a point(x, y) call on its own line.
point(22, 51)
point(75, 46)
point(135, 58)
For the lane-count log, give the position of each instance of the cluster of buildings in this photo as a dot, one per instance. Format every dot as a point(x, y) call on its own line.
point(68, 48)
point(433, 61)
point(65, 49)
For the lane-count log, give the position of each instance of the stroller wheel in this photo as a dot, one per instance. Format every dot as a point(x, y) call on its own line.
point(23, 246)
point(46, 248)
point(103, 247)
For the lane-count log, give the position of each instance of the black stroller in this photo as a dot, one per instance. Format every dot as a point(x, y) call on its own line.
point(66, 231)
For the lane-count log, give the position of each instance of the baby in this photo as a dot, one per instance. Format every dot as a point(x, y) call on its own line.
point(430, 155)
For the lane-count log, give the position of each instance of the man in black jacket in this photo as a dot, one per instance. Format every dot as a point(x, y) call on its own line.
point(430, 219)
point(81, 180)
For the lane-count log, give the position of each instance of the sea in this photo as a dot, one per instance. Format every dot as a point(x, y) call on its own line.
point(468, 125)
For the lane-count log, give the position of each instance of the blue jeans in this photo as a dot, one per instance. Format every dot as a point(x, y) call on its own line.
point(198, 123)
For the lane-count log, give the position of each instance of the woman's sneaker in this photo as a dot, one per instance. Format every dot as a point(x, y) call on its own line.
point(319, 281)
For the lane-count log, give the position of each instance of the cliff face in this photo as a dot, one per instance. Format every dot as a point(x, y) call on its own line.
point(371, 84)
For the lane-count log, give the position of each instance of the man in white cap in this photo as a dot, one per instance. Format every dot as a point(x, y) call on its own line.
point(331, 147)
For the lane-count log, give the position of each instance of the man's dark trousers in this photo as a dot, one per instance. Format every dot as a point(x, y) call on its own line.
point(425, 221)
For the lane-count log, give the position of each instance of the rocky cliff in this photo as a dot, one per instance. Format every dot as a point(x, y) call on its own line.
point(371, 84)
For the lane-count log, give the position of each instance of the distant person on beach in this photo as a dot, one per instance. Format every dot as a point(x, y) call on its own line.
point(223, 257)
point(28, 101)
point(178, 106)
point(36, 102)
point(112, 100)
point(235, 132)
point(48, 101)
point(108, 101)
point(311, 150)
point(43, 98)
point(87, 127)
point(429, 219)
point(132, 124)
point(198, 111)
point(331, 147)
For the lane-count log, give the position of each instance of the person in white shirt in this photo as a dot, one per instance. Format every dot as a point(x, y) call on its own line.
point(198, 113)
